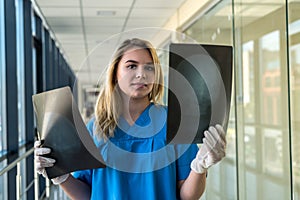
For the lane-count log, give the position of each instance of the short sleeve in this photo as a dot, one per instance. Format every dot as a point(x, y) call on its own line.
point(86, 175)
point(90, 125)
point(183, 162)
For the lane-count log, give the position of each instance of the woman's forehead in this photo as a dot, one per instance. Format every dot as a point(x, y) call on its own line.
point(137, 54)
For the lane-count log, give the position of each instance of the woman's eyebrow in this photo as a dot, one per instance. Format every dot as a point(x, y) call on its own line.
point(133, 61)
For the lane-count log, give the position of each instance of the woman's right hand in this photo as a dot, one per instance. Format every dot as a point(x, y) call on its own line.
point(41, 161)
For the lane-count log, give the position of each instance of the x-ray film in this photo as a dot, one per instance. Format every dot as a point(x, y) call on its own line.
point(199, 90)
point(61, 128)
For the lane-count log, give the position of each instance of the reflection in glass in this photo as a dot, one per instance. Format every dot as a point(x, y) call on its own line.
point(250, 146)
point(2, 77)
point(270, 78)
point(21, 89)
point(294, 48)
point(3, 187)
point(261, 62)
point(215, 27)
point(20, 68)
point(272, 152)
point(248, 82)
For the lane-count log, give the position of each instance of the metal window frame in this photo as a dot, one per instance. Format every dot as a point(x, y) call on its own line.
point(11, 94)
point(29, 115)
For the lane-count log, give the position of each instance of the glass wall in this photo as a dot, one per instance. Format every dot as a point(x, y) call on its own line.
point(294, 77)
point(2, 77)
point(21, 89)
point(263, 112)
point(215, 27)
point(20, 68)
point(2, 102)
point(17, 130)
point(263, 157)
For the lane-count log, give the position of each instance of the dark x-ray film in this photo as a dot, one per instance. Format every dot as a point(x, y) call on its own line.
point(199, 90)
point(61, 128)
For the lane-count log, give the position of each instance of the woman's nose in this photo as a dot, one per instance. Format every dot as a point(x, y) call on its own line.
point(140, 73)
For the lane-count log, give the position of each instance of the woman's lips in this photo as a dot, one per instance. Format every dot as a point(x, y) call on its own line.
point(139, 85)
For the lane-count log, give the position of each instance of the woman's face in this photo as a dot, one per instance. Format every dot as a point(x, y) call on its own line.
point(136, 73)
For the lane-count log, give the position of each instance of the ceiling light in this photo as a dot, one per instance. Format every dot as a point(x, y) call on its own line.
point(106, 13)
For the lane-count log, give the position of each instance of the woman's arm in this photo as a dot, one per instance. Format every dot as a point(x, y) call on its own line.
point(211, 152)
point(193, 187)
point(76, 189)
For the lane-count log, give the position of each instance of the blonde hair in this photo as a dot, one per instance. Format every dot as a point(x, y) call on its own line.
point(109, 106)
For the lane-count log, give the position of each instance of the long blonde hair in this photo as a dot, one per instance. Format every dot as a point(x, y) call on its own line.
point(109, 106)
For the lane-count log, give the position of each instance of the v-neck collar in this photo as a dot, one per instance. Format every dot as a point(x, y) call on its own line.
point(142, 120)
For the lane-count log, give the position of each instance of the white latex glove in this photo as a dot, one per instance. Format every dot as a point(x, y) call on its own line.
point(42, 162)
point(212, 150)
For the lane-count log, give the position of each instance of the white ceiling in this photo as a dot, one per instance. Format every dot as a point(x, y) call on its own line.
point(88, 30)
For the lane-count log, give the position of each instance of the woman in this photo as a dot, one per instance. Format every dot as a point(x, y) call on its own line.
point(129, 130)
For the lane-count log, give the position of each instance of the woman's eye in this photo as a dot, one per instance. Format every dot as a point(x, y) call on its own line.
point(150, 67)
point(131, 66)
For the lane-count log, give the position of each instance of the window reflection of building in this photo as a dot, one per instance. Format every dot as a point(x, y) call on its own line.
point(270, 77)
point(271, 100)
point(90, 97)
point(295, 99)
point(267, 94)
point(248, 82)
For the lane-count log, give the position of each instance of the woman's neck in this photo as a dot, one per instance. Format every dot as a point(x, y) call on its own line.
point(133, 108)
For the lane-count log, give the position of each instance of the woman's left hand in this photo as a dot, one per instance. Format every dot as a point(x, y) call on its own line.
point(212, 151)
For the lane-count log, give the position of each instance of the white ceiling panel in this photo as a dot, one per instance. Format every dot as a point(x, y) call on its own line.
point(64, 21)
point(88, 31)
point(75, 50)
point(103, 22)
point(61, 12)
point(149, 13)
point(69, 37)
point(146, 33)
point(97, 38)
point(67, 29)
point(79, 55)
point(74, 42)
point(107, 3)
point(106, 13)
point(95, 30)
point(58, 3)
point(140, 22)
point(158, 3)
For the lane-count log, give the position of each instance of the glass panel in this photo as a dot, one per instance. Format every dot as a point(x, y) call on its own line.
point(164, 60)
point(271, 78)
point(248, 81)
point(261, 63)
point(272, 152)
point(20, 69)
point(2, 79)
point(3, 186)
point(21, 89)
point(215, 27)
point(34, 54)
point(294, 48)
point(250, 146)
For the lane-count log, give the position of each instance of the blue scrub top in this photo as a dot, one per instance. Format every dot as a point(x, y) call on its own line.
point(140, 163)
